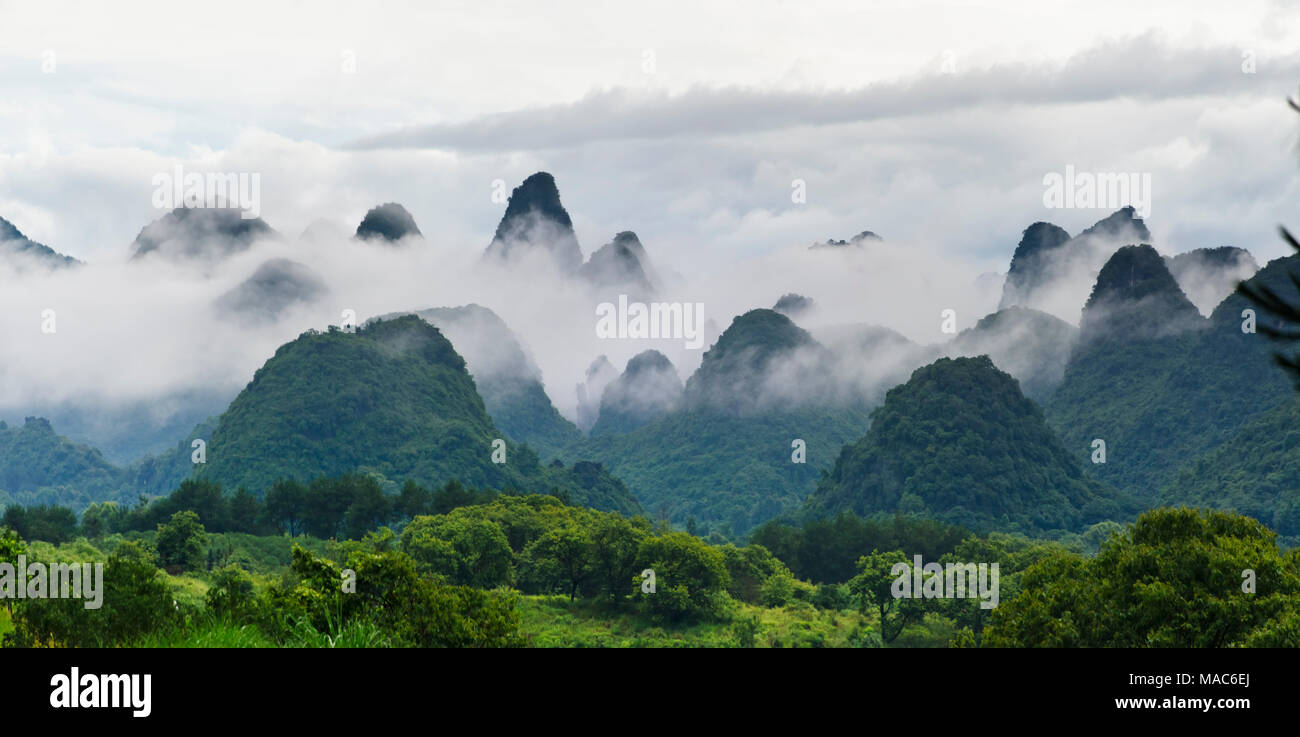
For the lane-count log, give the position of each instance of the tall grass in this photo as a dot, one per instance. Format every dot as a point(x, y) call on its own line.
point(214, 632)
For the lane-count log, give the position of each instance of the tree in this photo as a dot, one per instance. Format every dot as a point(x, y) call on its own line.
point(414, 500)
point(46, 523)
point(11, 546)
point(561, 559)
point(204, 498)
point(469, 551)
point(326, 505)
point(244, 512)
point(181, 541)
point(749, 568)
point(615, 542)
point(1176, 578)
point(231, 592)
point(285, 503)
point(391, 592)
point(136, 601)
point(690, 576)
point(99, 519)
point(874, 586)
point(369, 508)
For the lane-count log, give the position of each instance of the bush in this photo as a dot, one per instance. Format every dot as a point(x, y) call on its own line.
point(136, 601)
point(690, 577)
point(182, 542)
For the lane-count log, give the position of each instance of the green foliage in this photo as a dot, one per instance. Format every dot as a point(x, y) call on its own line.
point(561, 558)
point(52, 524)
point(827, 550)
point(1174, 579)
point(465, 550)
point(690, 576)
point(1161, 401)
point(1256, 473)
point(748, 570)
point(729, 472)
point(724, 458)
point(961, 439)
point(182, 541)
point(390, 592)
point(161, 474)
point(554, 621)
point(136, 601)
point(873, 587)
point(395, 399)
point(39, 467)
point(231, 593)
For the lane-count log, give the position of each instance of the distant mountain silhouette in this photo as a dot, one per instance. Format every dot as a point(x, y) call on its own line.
point(1208, 275)
point(600, 374)
point(857, 241)
point(200, 234)
point(535, 220)
point(620, 267)
point(388, 222)
point(793, 305)
point(506, 376)
point(21, 252)
point(276, 286)
point(648, 388)
point(1049, 270)
point(1135, 296)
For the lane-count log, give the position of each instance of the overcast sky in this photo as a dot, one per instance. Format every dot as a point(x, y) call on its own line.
point(687, 122)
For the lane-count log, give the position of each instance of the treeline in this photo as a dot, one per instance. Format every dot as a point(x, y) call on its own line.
point(539, 545)
point(390, 604)
point(827, 550)
point(347, 506)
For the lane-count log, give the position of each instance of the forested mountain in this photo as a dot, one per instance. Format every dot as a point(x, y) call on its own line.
point(599, 374)
point(1030, 345)
point(506, 377)
point(1255, 471)
point(793, 305)
point(1208, 275)
point(1157, 383)
point(38, 466)
point(745, 438)
point(1049, 270)
point(127, 429)
point(1031, 261)
point(159, 475)
point(960, 443)
point(620, 267)
point(648, 388)
point(394, 398)
point(727, 459)
point(762, 360)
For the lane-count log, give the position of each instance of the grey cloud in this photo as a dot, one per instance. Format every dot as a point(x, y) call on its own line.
point(1141, 67)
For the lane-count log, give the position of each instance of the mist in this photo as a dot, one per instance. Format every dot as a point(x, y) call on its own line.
point(199, 320)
